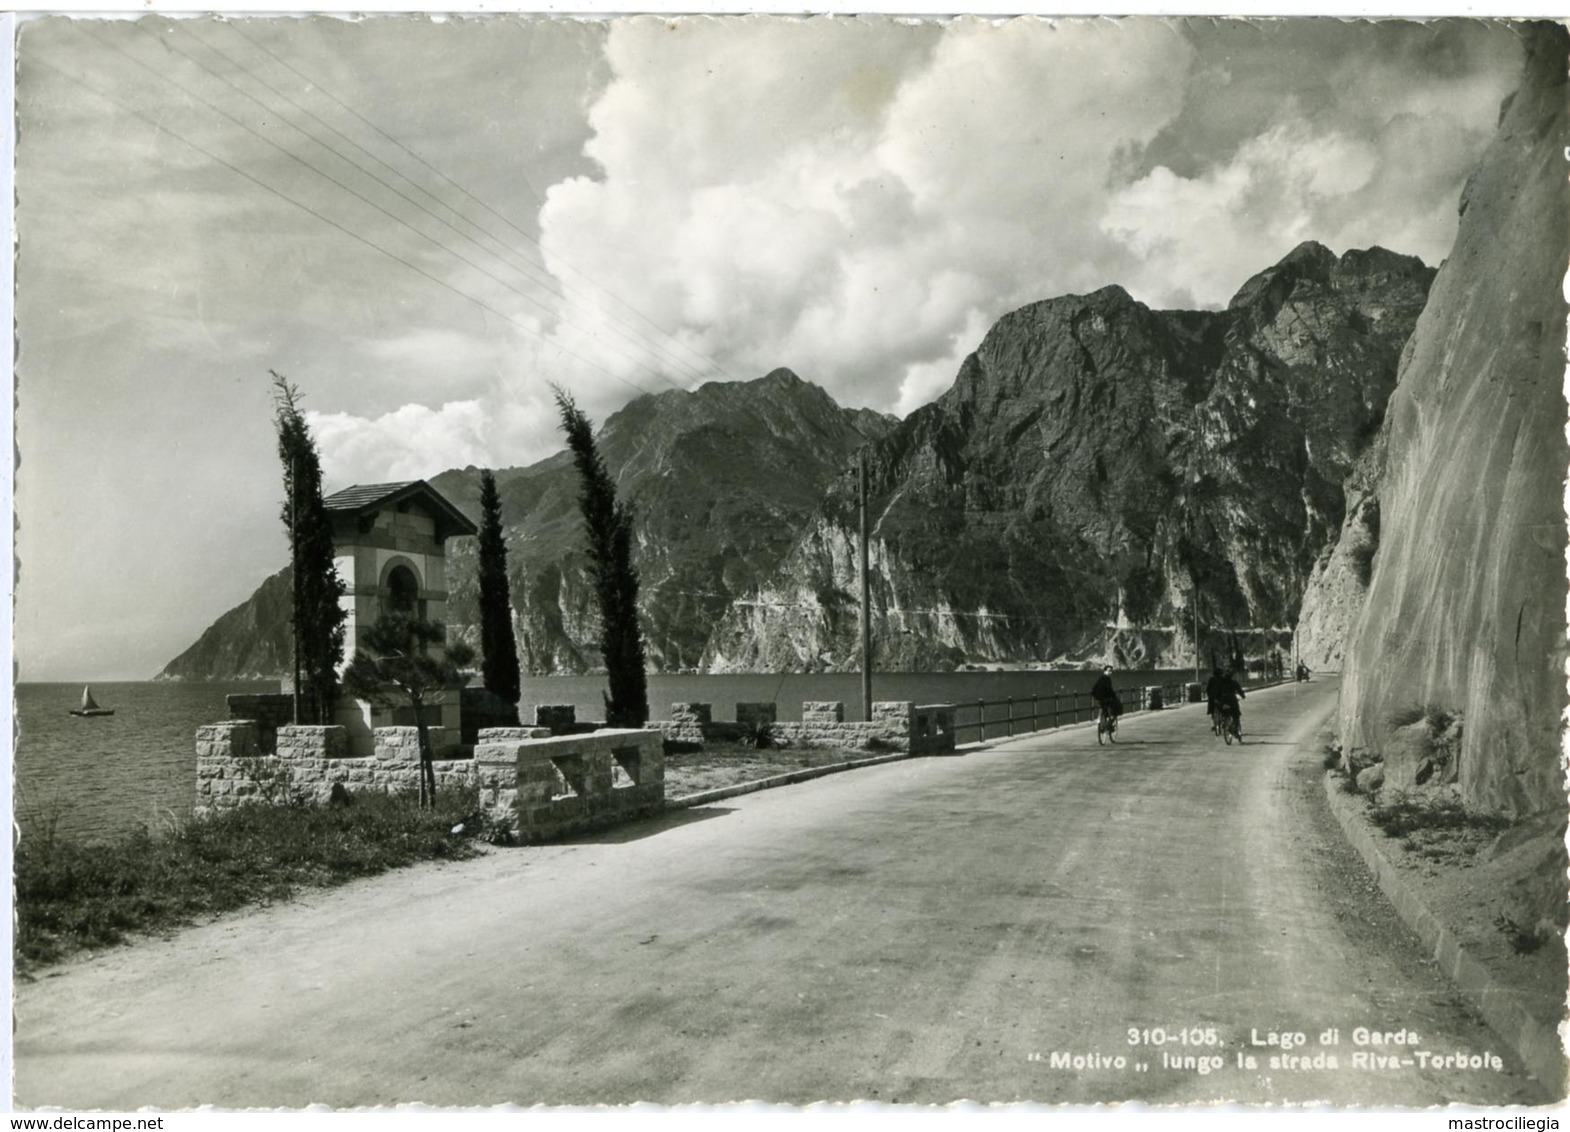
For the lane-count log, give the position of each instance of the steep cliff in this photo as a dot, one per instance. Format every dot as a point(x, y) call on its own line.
point(722, 480)
point(250, 642)
point(1098, 463)
point(1339, 584)
point(1465, 614)
point(1095, 465)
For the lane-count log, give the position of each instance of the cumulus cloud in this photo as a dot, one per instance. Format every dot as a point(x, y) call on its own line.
point(844, 196)
point(411, 442)
point(1349, 134)
point(851, 198)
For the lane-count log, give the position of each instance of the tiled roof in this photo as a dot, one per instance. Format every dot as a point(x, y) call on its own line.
point(373, 496)
point(363, 495)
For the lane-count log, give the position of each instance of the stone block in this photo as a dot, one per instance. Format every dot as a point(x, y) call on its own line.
point(692, 713)
point(494, 735)
point(303, 740)
point(757, 714)
point(823, 711)
point(237, 738)
point(557, 717)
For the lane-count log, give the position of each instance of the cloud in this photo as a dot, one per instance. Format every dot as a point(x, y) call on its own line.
point(845, 197)
point(412, 442)
point(1197, 238)
point(1350, 134)
point(850, 204)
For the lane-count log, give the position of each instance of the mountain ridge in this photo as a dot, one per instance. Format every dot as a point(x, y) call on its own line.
point(1030, 512)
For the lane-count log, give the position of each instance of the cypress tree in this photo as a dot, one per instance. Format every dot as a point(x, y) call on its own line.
point(608, 523)
point(498, 645)
point(316, 613)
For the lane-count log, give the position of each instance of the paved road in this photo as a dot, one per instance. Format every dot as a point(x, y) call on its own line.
point(921, 931)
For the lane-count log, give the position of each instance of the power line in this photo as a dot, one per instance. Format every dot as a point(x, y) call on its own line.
point(708, 363)
point(528, 267)
point(334, 224)
point(349, 189)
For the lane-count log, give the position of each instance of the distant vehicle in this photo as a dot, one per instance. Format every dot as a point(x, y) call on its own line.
point(1302, 671)
point(89, 705)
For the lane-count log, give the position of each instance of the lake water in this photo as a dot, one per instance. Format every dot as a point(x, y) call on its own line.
point(100, 777)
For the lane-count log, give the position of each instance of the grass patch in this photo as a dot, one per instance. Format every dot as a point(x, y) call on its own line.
point(72, 896)
point(1402, 814)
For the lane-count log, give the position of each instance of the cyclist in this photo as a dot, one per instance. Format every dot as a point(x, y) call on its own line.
point(1105, 696)
point(1222, 694)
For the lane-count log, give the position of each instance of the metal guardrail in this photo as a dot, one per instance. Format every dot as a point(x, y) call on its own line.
point(1020, 715)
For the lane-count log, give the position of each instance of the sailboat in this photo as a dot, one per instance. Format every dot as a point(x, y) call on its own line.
point(89, 705)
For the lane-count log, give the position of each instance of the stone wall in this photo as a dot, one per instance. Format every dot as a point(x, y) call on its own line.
point(232, 769)
point(823, 724)
point(270, 710)
point(539, 786)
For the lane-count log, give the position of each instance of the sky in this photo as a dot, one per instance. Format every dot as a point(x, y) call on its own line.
point(424, 223)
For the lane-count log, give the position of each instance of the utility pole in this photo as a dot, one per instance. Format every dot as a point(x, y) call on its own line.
point(1196, 634)
point(294, 570)
point(866, 602)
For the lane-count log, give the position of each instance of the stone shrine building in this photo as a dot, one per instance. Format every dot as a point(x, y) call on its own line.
point(389, 547)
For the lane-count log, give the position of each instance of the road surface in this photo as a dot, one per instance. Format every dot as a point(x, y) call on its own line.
point(991, 926)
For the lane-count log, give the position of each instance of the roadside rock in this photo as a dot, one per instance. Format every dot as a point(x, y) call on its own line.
point(1371, 778)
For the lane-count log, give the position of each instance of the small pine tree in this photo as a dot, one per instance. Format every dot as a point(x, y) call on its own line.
point(609, 527)
point(393, 666)
point(498, 645)
point(317, 615)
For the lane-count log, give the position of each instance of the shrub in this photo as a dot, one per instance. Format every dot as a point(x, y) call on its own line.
point(1523, 941)
point(1404, 813)
point(272, 779)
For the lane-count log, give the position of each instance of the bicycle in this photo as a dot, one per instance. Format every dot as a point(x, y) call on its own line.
point(1227, 724)
point(1106, 726)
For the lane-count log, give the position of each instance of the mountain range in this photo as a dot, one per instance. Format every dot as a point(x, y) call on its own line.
point(1095, 465)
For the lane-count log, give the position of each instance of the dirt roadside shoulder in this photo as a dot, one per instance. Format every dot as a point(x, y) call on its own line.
point(1446, 913)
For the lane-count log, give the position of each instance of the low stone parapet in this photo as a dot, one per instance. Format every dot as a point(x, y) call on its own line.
point(932, 729)
point(560, 718)
point(688, 722)
point(232, 770)
point(823, 711)
point(543, 787)
point(268, 710)
point(822, 724)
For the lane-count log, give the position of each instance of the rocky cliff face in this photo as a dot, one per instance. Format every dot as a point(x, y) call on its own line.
point(722, 479)
point(250, 642)
point(1096, 465)
point(1339, 583)
point(1465, 614)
